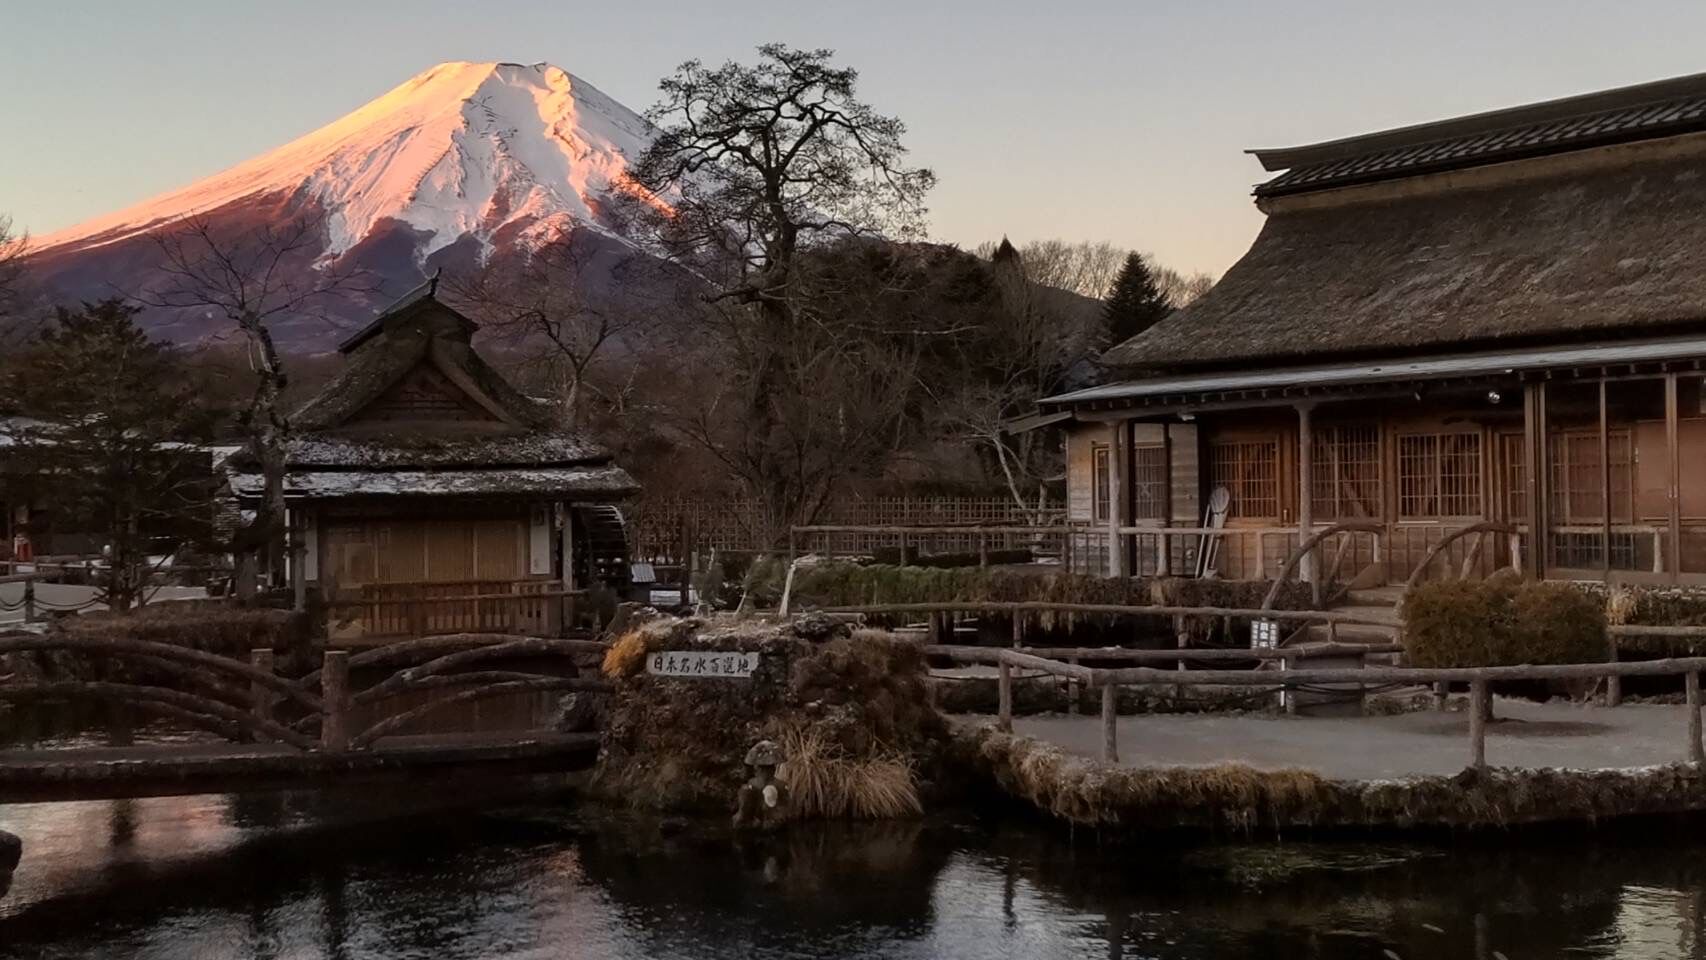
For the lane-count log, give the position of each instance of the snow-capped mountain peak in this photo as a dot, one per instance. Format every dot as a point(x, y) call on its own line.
point(462, 149)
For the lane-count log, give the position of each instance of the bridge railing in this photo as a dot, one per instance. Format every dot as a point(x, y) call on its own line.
point(248, 701)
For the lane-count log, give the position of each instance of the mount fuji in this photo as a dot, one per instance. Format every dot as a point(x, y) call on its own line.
point(460, 164)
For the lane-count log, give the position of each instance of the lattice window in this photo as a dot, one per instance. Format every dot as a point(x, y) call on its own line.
point(1346, 472)
point(1578, 478)
point(1102, 473)
point(1439, 475)
point(1514, 464)
point(1249, 470)
point(1149, 482)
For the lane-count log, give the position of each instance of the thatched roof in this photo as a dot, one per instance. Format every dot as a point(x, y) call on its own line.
point(1641, 112)
point(515, 446)
point(1586, 250)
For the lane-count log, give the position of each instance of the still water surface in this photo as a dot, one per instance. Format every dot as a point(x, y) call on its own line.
point(324, 876)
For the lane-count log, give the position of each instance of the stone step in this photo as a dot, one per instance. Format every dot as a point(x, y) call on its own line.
point(1386, 615)
point(1355, 633)
point(1387, 596)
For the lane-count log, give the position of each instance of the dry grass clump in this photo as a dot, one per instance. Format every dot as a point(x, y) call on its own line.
point(626, 655)
point(823, 780)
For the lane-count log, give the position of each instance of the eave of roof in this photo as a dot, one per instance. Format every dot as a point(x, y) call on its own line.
point(1299, 380)
point(605, 481)
point(1662, 108)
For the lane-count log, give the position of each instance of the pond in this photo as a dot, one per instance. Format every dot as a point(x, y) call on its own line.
point(376, 875)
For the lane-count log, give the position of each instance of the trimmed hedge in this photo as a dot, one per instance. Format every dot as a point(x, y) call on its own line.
point(1501, 622)
point(216, 626)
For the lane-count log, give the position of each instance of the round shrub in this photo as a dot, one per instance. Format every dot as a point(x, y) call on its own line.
point(1501, 622)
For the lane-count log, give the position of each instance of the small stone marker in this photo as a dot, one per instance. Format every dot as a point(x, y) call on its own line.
point(701, 663)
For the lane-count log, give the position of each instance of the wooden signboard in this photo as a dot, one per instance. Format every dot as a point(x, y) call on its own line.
point(701, 663)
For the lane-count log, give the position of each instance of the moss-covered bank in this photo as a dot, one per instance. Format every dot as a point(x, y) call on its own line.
point(1243, 800)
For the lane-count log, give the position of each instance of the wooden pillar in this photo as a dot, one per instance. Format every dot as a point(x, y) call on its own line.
point(298, 561)
point(1004, 688)
point(1605, 483)
point(1442, 693)
point(1018, 628)
point(261, 697)
point(1534, 475)
point(1072, 690)
point(1696, 752)
point(1478, 703)
point(1110, 723)
point(1673, 482)
point(567, 539)
point(334, 696)
point(1613, 682)
point(29, 599)
point(1118, 496)
point(1306, 491)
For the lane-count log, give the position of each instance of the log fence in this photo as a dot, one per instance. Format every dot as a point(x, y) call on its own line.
point(1064, 664)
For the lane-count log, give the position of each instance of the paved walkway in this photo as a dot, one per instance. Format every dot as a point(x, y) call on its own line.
point(1370, 748)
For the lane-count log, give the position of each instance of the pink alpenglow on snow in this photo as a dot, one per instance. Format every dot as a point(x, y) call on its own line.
point(463, 149)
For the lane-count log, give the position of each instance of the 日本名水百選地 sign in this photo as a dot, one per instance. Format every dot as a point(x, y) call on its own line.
point(701, 663)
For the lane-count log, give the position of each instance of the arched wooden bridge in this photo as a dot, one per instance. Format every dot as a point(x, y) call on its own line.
point(281, 733)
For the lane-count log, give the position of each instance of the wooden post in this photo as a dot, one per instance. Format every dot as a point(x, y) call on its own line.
point(1613, 682)
point(1442, 691)
point(29, 600)
point(261, 697)
point(1605, 483)
point(1072, 690)
point(298, 561)
point(334, 694)
point(1117, 496)
point(1696, 752)
point(567, 538)
point(1673, 481)
point(1286, 693)
point(982, 550)
point(1306, 493)
point(1534, 481)
point(1004, 720)
point(1478, 704)
point(1018, 629)
point(1110, 727)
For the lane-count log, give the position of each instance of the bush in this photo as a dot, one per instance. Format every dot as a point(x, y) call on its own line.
point(1501, 622)
point(213, 626)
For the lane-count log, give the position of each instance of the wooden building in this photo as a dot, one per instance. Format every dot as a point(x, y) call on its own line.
point(426, 495)
point(1495, 321)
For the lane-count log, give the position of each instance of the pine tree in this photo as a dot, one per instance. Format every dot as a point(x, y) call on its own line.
point(1136, 302)
point(106, 412)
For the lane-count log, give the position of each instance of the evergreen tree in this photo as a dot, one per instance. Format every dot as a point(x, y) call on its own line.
point(106, 416)
point(1136, 302)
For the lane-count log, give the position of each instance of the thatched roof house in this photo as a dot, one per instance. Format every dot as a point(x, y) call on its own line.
point(1495, 318)
point(420, 474)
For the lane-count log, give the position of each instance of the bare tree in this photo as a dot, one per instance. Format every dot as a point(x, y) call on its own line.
point(253, 279)
point(14, 247)
point(1088, 268)
point(540, 306)
point(753, 166)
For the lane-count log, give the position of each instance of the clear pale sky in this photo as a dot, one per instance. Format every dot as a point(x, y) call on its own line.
point(1120, 120)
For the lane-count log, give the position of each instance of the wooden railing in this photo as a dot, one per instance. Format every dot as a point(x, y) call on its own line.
point(469, 606)
point(1479, 679)
point(248, 701)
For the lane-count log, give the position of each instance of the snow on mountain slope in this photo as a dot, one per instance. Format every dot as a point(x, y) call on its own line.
point(463, 149)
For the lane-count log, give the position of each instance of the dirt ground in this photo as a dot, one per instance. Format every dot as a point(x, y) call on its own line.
point(1369, 748)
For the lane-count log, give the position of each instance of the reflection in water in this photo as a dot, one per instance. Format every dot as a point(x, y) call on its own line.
point(323, 876)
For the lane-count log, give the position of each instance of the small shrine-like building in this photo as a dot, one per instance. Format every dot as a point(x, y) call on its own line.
point(426, 495)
